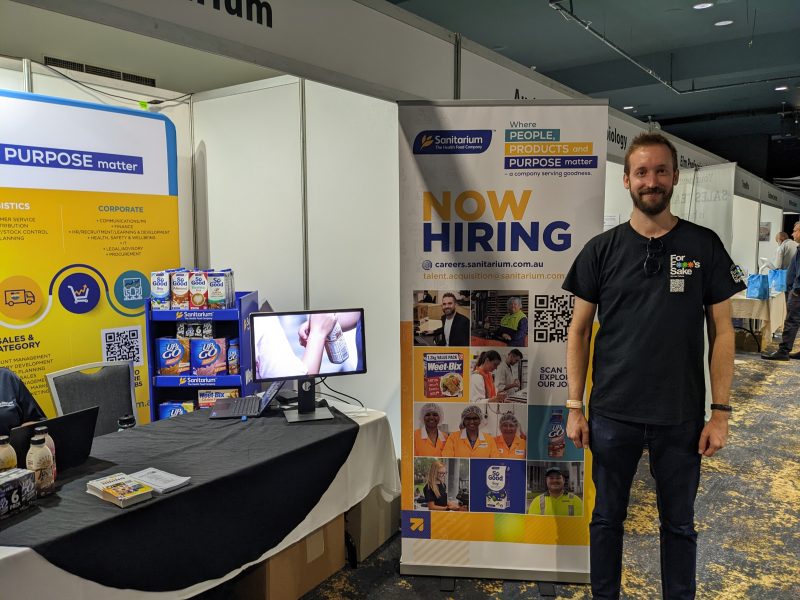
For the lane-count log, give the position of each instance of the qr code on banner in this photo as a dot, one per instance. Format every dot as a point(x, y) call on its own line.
point(123, 343)
point(551, 317)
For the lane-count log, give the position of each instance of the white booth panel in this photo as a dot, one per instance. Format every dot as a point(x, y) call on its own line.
point(618, 203)
point(772, 220)
point(353, 230)
point(10, 75)
point(248, 173)
point(745, 233)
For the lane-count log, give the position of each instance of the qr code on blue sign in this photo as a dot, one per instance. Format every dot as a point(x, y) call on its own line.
point(122, 343)
point(550, 317)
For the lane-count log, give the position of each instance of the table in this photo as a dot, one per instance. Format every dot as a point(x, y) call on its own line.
point(152, 528)
point(771, 312)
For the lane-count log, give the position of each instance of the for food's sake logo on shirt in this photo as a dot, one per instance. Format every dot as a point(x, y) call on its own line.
point(452, 141)
point(681, 265)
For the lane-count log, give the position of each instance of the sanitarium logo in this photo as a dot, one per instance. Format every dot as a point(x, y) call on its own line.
point(452, 141)
point(252, 10)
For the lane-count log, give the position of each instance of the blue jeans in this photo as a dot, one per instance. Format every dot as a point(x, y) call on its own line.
point(675, 465)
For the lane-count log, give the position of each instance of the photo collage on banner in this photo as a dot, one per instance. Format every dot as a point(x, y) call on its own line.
point(496, 203)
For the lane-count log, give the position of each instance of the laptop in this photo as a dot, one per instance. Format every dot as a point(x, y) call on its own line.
point(248, 406)
point(72, 434)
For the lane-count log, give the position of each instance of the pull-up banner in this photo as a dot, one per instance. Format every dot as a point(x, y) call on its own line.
point(88, 209)
point(496, 202)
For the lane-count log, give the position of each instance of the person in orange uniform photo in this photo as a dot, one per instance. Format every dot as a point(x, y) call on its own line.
point(482, 388)
point(510, 443)
point(429, 439)
point(470, 441)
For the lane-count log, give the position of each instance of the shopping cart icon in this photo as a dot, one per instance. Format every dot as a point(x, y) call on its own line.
point(80, 295)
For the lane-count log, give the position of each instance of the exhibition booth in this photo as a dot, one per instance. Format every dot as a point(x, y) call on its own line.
point(336, 186)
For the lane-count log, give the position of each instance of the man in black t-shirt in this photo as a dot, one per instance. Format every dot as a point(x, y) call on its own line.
point(655, 282)
point(17, 406)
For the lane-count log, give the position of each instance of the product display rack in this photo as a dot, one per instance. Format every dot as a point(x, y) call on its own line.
point(227, 323)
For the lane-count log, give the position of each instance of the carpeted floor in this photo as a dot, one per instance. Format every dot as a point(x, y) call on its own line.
point(748, 515)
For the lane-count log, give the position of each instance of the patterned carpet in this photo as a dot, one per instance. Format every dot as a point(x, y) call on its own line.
point(748, 515)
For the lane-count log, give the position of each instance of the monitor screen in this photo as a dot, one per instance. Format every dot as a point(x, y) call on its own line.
point(310, 343)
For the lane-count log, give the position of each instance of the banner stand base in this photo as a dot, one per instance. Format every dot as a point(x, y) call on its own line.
point(494, 573)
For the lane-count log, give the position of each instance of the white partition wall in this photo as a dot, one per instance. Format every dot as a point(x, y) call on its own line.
point(618, 203)
point(353, 230)
point(249, 187)
point(745, 233)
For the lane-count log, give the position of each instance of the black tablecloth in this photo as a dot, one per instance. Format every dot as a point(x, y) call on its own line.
point(252, 483)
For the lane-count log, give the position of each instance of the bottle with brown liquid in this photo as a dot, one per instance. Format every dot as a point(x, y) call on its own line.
point(51, 445)
point(336, 346)
point(40, 461)
point(8, 457)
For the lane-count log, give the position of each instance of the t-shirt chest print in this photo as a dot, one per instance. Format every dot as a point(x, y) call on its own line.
point(681, 267)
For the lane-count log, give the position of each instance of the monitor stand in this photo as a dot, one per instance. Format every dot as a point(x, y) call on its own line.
point(306, 404)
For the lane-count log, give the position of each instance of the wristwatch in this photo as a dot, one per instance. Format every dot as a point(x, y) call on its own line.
point(722, 407)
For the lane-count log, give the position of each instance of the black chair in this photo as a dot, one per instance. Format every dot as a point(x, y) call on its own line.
point(109, 385)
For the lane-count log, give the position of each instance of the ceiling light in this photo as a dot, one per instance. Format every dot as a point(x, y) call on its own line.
point(723, 23)
point(627, 108)
point(703, 5)
point(781, 88)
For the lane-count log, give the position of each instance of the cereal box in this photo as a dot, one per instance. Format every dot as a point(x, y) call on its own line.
point(167, 410)
point(173, 356)
point(209, 357)
point(207, 398)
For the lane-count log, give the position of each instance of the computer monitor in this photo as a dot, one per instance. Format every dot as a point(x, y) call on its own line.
point(303, 345)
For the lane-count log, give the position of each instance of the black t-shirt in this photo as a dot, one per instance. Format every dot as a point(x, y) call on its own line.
point(431, 497)
point(17, 406)
point(648, 353)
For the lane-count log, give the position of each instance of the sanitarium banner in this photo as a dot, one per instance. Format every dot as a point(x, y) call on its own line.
point(88, 208)
point(496, 202)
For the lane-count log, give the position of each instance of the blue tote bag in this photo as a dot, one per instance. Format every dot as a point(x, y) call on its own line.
point(777, 281)
point(758, 287)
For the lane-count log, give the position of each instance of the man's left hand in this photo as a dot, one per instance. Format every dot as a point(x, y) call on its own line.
point(714, 435)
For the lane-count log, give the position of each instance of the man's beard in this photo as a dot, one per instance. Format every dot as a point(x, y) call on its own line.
point(652, 209)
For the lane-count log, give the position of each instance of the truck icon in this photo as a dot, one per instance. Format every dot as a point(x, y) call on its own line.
point(13, 297)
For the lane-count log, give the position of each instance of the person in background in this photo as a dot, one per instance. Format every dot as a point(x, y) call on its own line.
point(506, 377)
point(482, 387)
point(513, 326)
point(792, 321)
point(658, 284)
point(426, 297)
point(556, 500)
point(470, 441)
point(784, 254)
point(455, 326)
point(17, 406)
point(510, 443)
point(429, 439)
point(435, 489)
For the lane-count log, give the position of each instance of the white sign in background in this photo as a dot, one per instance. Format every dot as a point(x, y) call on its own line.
point(705, 196)
point(72, 128)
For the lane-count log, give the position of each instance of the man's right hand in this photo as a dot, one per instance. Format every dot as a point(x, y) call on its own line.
point(578, 428)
